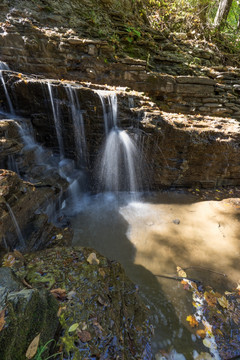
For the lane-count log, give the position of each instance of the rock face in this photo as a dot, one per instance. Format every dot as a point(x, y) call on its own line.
point(100, 312)
point(22, 224)
point(27, 312)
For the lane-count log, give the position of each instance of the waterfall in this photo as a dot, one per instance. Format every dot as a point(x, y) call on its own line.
point(78, 126)
point(4, 66)
point(18, 231)
point(119, 162)
point(57, 121)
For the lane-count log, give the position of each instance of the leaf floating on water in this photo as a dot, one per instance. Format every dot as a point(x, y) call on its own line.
point(92, 259)
point(84, 336)
point(2, 319)
point(32, 349)
point(210, 298)
point(223, 302)
point(181, 272)
point(73, 327)
point(201, 333)
point(192, 321)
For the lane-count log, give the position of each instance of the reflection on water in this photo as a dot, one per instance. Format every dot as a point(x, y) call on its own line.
point(154, 236)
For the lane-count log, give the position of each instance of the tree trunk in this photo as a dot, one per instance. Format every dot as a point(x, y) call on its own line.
point(222, 13)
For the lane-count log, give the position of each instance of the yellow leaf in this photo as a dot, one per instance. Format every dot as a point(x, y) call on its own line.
point(73, 327)
point(207, 343)
point(181, 272)
point(32, 349)
point(92, 259)
point(223, 302)
point(192, 321)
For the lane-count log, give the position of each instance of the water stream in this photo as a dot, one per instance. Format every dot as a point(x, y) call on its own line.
point(18, 231)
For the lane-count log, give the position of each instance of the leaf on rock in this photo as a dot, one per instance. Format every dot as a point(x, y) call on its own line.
point(223, 302)
point(92, 259)
point(59, 293)
point(73, 327)
point(181, 272)
point(204, 356)
point(192, 321)
point(32, 349)
point(2, 319)
point(84, 336)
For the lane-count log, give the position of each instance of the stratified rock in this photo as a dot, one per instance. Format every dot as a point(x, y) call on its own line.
point(21, 223)
point(27, 313)
point(101, 313)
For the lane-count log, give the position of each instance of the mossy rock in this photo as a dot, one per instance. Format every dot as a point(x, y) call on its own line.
point(102, 315)
point(27, 313)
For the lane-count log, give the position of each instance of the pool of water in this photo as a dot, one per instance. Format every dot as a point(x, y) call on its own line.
point(152, 235)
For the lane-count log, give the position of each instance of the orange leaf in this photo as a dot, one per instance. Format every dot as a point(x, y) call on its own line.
point(192, 321)
point(201, 333)
point(59, 293)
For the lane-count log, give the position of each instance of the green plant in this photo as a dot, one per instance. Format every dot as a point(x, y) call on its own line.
point(133, 34)
point(42, 349)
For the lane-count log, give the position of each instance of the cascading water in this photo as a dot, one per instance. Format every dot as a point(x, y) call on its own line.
point(4, 66)
point(78, 126)
point(18, 231)
point(119, 163)
point(57, 122)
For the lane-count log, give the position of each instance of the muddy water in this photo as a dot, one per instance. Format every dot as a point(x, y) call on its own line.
point(152, 237)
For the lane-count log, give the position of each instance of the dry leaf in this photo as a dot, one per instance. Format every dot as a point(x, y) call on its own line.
point(59, 293)
point(92, 259)
point(223, 302)
point(210, 298)
point(181, 272)
point(2, 320)
point(32, 349)
point(192, 321)
point(9, 261)
point(201, 333)
point(84, 336)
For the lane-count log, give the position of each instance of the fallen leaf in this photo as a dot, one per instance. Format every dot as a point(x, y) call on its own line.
point(207, 343)
point(60, 310)
point(192, 321)
point(223, 302)
point(204, 356)
point(201, 333)
point(59, 293)
point(73, 327)
point(84, 336)
point(102, 272)
point(2, 320)
point(59, 236)
point(181, 272)
point(92, 259)
point(210, 298)
point(32, 349)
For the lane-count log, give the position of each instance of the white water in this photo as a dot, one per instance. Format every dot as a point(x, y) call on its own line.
point(78, 126)
point(120, 162)
point(4, 66)
point(18, 231)
point(57, 121)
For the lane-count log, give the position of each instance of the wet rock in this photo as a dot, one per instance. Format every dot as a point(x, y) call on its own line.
point(27, 312)
point(103, 315)
point(21, 225)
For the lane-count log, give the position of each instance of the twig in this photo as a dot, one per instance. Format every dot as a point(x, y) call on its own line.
point(178, 278)
point(206, 269)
